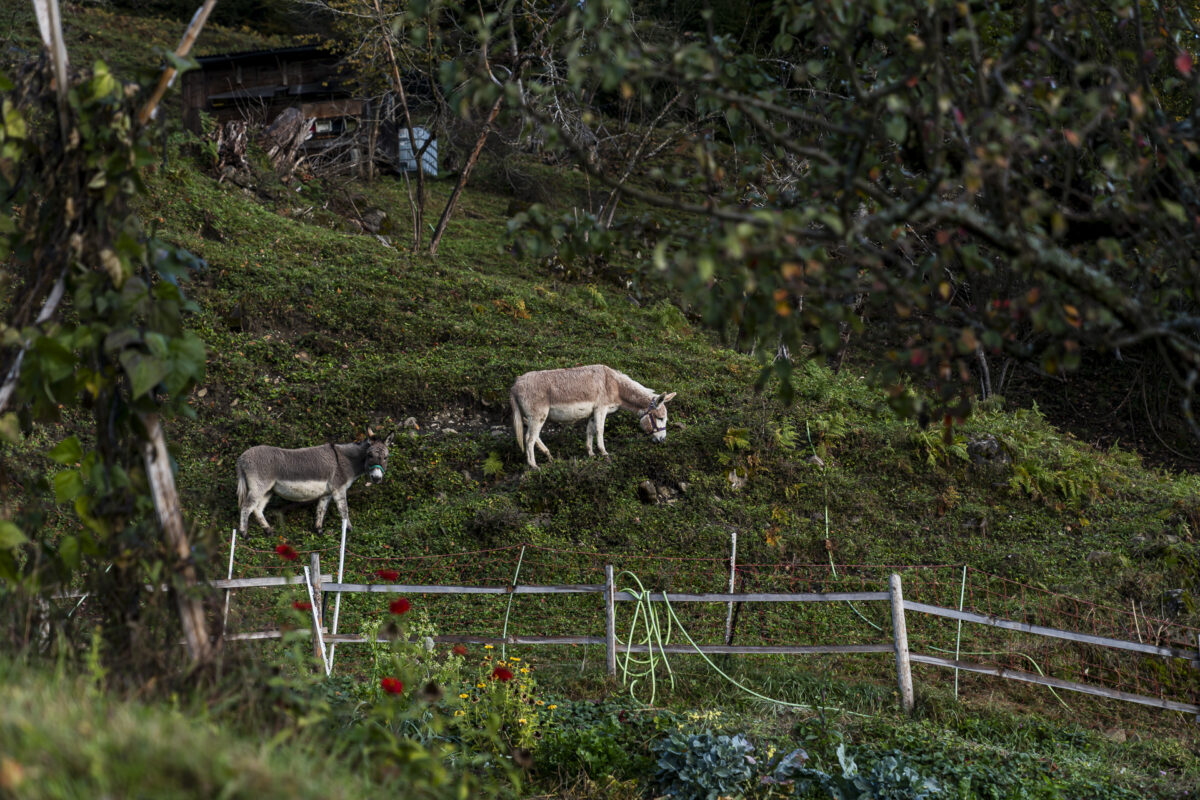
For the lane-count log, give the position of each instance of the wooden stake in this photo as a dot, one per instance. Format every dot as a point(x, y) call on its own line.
point(170, 519)
point(229, 576)
point(318, 602)
point(318, 634)
point(732, 575)
point(185, 46)
point(444, 220)
point(900, 634)
point(610, 621)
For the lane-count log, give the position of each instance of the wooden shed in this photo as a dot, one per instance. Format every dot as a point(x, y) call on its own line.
point(258, 85)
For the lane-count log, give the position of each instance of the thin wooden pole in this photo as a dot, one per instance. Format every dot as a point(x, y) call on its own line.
point(610, 621)
point(318, 635)
point(962, 596)
point(900, 634)
point(444, 220)
point(229, 576)
point(185, 46)
point(316, 599)
point(732, 575)
point(170, 520)
point(337, 598)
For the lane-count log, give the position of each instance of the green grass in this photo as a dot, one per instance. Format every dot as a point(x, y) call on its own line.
point(61, 739)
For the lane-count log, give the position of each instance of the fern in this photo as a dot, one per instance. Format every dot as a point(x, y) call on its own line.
point(785, 435)
point(493, 465)
point(737, 438)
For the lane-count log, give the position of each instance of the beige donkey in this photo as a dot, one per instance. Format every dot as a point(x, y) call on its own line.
point(567, 395)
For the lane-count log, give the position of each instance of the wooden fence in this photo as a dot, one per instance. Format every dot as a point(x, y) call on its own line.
point(320, 586)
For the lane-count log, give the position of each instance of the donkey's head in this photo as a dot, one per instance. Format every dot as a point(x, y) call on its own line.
point(377, 457)
point(653, 420)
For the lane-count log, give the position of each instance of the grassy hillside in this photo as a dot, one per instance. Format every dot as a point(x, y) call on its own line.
point(316, 330)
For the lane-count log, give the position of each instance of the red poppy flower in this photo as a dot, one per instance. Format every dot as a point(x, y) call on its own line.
point(302, 605)
point(286, 552)
point(387, 574)
point(459, 649)
point(502, 674)
point(391, 685)
point(400, 606)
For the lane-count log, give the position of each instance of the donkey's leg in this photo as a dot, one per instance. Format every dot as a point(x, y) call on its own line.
point(532, 439)
point(600, 415)
point(258, 510)
point(322, 504)
point(342, 507)
point(244, 514)
point(591, 432)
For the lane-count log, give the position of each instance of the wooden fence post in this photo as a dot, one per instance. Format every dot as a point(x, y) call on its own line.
point(318, 603)
point(610, 621)
point(900, 633)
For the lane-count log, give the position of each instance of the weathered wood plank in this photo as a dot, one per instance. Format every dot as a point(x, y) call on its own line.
point(758, 597)
point(355, 638)
point(404, 588)
point(262, 583)
point(1057, 683)
point(740, 649)
point(1041, 630)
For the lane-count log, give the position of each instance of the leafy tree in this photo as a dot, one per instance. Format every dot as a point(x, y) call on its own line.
point(94, 325)
point(991, 184)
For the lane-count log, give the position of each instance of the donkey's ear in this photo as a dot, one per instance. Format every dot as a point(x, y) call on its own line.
point(665, 398)
point(388, 441)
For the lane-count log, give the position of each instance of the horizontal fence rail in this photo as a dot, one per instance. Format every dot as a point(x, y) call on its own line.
point(1098, 660)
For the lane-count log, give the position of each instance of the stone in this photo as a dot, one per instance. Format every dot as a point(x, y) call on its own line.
point(1175, 602)
point(816, 461)
point(1098, 556)
point(647, 492)
point(1115, 735)
point(988, 451)
point(373, 219)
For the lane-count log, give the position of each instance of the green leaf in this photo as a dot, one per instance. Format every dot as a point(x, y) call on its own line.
point(68, 484)
point(882, 26)
point(10, 427)
point(68, 551)
point(10, 535)
point(68, 451)
point(144, 371)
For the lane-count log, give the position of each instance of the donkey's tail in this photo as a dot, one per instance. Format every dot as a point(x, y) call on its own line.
point(518, 421)
point(242, 487)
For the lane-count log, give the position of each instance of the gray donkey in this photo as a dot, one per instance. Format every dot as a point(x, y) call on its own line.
point(309, 473)
point(567, 395)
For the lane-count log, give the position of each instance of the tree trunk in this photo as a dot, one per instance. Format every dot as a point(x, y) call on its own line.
point(419, 205)
point(170, 519)
point(462, 178)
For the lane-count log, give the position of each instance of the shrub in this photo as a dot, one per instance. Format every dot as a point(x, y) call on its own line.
point(703, 766)
point(889, 779)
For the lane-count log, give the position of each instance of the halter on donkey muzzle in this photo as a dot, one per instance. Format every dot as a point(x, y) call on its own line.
point(375, 471)
point(649, 412)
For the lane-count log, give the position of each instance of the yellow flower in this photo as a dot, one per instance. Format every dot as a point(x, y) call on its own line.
point(481, 686)
point(464, 695)
point(524, 669)
point(542, 703)
point(488, 647)
point(514, 658)
point(460, 713)
point(553, 706)
point(521, 720)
